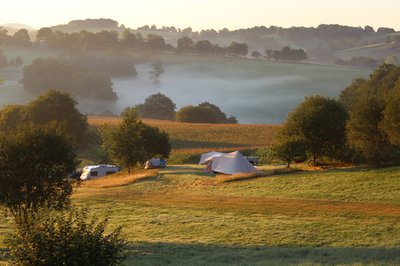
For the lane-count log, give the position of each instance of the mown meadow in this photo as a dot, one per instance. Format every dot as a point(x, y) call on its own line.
point(346, 216)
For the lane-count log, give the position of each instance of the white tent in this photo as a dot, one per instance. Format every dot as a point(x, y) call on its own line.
point(231, 163)
point(206, 157)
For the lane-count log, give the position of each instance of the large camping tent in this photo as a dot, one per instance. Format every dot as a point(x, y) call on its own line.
point(230, 163)
point(206, 157)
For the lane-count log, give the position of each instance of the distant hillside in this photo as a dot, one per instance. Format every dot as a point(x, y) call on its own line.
point(13, 27)
point(321, 43)
point(87, 24)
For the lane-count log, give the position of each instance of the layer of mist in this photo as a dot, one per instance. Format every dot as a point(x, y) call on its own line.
point(253, 91)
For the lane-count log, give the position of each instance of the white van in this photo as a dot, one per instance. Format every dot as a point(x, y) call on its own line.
point(95, 171)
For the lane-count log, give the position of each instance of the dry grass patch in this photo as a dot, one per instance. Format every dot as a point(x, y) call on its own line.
point(236, 177)
point(120, 179)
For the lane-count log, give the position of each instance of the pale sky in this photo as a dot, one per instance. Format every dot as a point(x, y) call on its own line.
point(205, 14)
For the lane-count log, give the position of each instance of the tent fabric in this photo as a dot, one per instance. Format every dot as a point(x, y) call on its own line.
point(155, 163)
point(231, 163)
point(206, 157)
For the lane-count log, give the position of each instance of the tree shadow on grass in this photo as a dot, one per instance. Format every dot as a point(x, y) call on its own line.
point(198, 254)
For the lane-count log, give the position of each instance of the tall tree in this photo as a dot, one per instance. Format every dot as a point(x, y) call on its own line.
point(157, 69)
point(127, 145)
point(364, 131)
point(158, 106)
point(321, 122)
point(34, 167)
point(60, 107)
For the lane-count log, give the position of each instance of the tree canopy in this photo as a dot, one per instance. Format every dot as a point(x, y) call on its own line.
point(45, 74)
point(34, 166)
point(321, 122)
point(157, 106)
point(203, 113)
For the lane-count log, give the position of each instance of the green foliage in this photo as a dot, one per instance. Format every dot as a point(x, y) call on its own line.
point(34, 166)
point(238, 49)
point(155, 142)
point(133, 142)
point(157, 106)
point(290, 148)
point(203, 113)
point(287, 54)
point(373, 114)
point(60, 107)
point(349, 95)
point(65, 238)
point(12, 116)
point(321, 122)
point(45, 74)
point(127, 143)
point(391, 117)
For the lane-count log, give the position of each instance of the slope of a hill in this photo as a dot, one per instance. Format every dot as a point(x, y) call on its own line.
point(345, 216)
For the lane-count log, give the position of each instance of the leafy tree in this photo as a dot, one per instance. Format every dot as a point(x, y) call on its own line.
point(127, 142)
point(321, 122)
point(44, 34)
point(364, 132)
point(256, 54)
point(129, 39)
point(349, 96)
point(155, 142)
point(237, 49)
point(290, 148)
point(158, 106)
point(34, 166)
point(184, 44)
point(65, 238)
point(203, 47)
point(391, 120)
point(204, 113)
point(155, 42)
point(22, 37)
point(196, 114)
point(12, 116)
point(60, 107)
point(157, 69)
point(45, 74)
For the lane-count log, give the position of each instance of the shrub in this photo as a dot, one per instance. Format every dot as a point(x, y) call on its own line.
point(65, 238)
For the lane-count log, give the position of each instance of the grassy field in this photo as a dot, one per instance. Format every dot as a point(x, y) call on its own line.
point(181, 216)
point(193, 139)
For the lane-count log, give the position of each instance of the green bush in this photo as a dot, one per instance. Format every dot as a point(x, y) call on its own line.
point(65, 238)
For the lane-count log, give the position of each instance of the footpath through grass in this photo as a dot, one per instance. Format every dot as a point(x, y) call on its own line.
point(181, 216)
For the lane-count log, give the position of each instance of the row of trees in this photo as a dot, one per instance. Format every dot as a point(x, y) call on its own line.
point(159, 106)
point(363, 125)
point(286, 54)
point(187, 45)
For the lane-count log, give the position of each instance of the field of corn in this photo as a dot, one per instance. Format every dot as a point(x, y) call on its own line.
point(189, 140)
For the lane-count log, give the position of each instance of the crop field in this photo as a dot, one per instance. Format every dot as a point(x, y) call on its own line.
point(189, 139)
point(345, 216)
